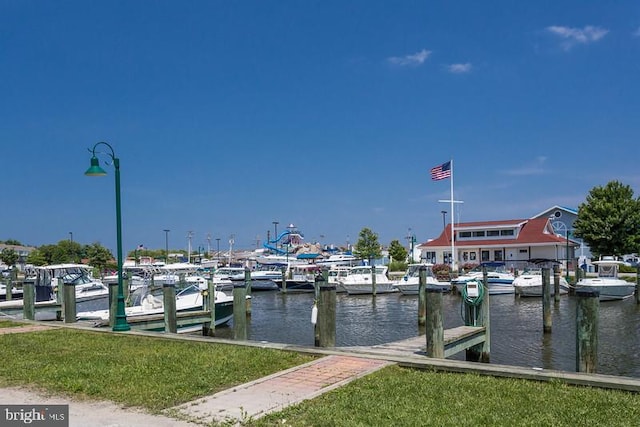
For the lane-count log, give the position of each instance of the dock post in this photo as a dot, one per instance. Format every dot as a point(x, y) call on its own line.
point(209, 303)
point(373, 279)
point(59, 293)
point(638, 284)
point(9, 287)
point(169, 304)
point(113, 302)
point(481, 352)
point(422, 302)
point(556, 283)
point(284, 280)
point(587, 330)
point(326, 324)
point(247, 283)
point(435, 325)
point(29, 299)
point(69, 301)
point(546, 301)
point(239, 311)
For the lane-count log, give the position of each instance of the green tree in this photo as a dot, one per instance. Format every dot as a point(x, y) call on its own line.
point(397, 251)
point(9, 257)
point(367, 247)
point(13, 242)
point(609, 220)
point(99, 256)
point(36, 257)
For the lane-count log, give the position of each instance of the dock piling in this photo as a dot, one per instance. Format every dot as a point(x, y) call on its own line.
point(68, 301)
point(422, 303)
point(239, 311)
point(169, 304)
point(587, 317)
point(247, 284)
point(29, 299)
point(434, 323)
point(209, 303)
point(556, 283)
point(326, 324)
point(546, 300)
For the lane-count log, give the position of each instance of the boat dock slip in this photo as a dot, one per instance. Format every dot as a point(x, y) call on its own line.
point(275, 392)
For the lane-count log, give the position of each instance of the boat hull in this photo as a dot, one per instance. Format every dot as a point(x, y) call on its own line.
point(366, 288)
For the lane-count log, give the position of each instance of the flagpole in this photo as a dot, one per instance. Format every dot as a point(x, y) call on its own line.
point(453, 218)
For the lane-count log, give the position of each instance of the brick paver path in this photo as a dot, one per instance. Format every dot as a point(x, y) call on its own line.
point(273, 393)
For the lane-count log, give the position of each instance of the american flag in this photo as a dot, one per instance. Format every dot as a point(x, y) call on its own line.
point(442, 171)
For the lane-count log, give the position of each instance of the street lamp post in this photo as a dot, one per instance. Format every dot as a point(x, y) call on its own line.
point(275, 234)
point(166, 245)
point(218, 241)
point(120, 323)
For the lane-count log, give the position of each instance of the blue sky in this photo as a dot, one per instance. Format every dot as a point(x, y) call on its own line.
point(229, 115)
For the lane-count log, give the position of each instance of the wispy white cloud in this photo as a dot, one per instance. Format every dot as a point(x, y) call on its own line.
point(573, 36)
point(636, 33)
point(533, 168)
point(459, 68)
point(415, 59)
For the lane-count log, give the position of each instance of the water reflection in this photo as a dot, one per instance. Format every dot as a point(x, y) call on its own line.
point(517, 336)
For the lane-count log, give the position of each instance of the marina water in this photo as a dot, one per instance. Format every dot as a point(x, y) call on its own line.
point(517, 336)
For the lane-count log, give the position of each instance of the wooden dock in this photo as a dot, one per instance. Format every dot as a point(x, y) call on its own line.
point(455, 340)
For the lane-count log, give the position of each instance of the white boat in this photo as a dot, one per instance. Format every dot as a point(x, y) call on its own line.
point(338, 260)
point(189, 299)
point(409, 283)
point(79, 275)
point(607, 283)
point(16, 293)
point(500, 281)
point(300, 278)
point(222, 277)
point(529, 283)
point(335, 274)
point(263, 278)
point(359, 281)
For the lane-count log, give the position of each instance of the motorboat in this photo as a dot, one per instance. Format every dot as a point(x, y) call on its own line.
point(529, 283)
point(300, 278)
point(338, 260)
point(188, 299)
point(359, 280)
point(409, 283)
point(222, 277)
point(610, 286)
point(499, 280)
point(50, 277)
point(263, 278)
point(335, 274)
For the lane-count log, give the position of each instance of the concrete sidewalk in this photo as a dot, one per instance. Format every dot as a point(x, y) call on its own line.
point(273, 393)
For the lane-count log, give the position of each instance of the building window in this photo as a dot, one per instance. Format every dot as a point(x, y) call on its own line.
point(484, 256)
point(507, 232)
point(493, 232)
point(430, 257)
point(478, 233)
point(497, 255)
point(464, 234)
point(472, 256)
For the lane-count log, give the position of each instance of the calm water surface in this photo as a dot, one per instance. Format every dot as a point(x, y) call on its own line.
point(516, 327)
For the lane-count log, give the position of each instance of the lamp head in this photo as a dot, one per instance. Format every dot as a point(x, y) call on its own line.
point(95, 169)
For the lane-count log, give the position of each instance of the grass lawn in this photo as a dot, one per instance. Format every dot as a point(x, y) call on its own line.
point(397, 396)
point(132, 370)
